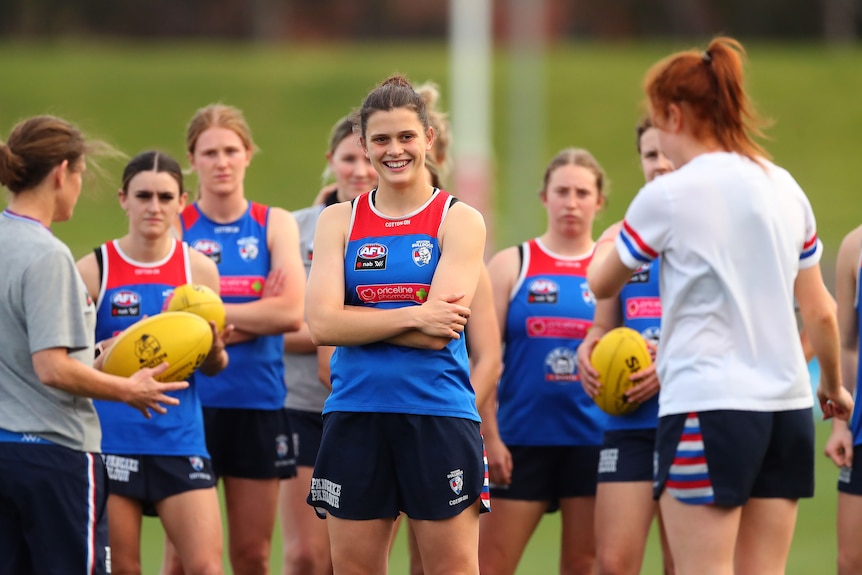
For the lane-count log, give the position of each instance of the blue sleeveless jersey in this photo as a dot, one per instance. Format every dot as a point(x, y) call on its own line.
point(856, 420)
point(641, 311)
point(540, 398)
point(129, 291)
point(389, 263)
point(254, 377)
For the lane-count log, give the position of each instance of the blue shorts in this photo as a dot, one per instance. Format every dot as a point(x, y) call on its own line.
point(53, 516)
point(375, 465)
point(850, 478)
point(307, 429)
point(150, 478)
point(249, 443)
point(627, 455)
point(725, 457)
point(550, 473)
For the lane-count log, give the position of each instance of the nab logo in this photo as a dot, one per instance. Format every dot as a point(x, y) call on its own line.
point(125, 303)
point(543, 291)
point(371, 257)
point(209, 248)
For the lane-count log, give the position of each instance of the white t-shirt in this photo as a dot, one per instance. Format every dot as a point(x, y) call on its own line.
point(732, 235)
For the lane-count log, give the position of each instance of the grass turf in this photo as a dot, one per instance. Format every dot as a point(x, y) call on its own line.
point(140, 96)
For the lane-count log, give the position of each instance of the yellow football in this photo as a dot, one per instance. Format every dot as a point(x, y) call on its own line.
point(199, 300)
point(618, 354)
point(182, 339)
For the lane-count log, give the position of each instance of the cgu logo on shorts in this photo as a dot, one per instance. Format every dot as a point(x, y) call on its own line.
point(209, 248)
point(125, 303)
point(371, 257)
point(543, 291)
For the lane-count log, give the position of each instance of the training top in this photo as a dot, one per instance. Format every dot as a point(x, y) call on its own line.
point(305, 392)
point(733, 234)
point(44, 305)
point(389, 263)
point(641, 311)
point(540, 397)
point(130, 290)
point(254, 377)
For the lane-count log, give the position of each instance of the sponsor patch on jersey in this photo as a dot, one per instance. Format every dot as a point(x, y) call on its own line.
point(248, 248)
point(209, 248)
point(381, 293)
point(561, 365)
point(568, 327)
point(543, 291)
point(241, 286)
point(643, 308)
point(125, 303)
point(371, 257)
point(422, 251)
point(641, 275)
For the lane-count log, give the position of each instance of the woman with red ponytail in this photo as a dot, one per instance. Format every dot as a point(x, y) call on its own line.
point(738, 244)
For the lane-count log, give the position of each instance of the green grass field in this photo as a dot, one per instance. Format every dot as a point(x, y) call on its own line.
point(140, 96)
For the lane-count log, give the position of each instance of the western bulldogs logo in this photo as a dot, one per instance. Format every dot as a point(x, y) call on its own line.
point(125, 303)
point(422, 251)
point(248, 249)
point(309, 251)
point(652, 334)
point(543, 291)
point(209, 248)
point(588, 296)
point(196, 462)
point(371, 257)
point(281, 447)
point(561, 365)
point(456, 480)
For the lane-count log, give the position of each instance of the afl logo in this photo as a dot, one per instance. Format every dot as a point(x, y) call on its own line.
point(371, 257)
point(209, 248)
point(125, 303)
point(543, 291)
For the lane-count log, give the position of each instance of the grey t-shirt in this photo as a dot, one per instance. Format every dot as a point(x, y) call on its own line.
point(304, 390)
point(43, 305)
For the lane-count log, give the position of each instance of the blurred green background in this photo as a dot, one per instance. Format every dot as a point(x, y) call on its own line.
point(140, 96)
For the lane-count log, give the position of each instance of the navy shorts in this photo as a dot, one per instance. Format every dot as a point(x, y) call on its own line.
point(375, 465)
point(627, 455)
point(53, 516)
point(150, 478)
point(307, 429)
point(850, 478)
point(725, 457)
point(249, 443)
point(550, 473)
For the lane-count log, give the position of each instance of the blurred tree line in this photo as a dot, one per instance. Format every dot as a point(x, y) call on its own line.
point(305, 20)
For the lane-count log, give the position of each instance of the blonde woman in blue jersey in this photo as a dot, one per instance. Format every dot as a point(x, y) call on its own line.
point(841, 447)
point(256, 249)
point(543, 445)
point(738, 242)
point(393, 275)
